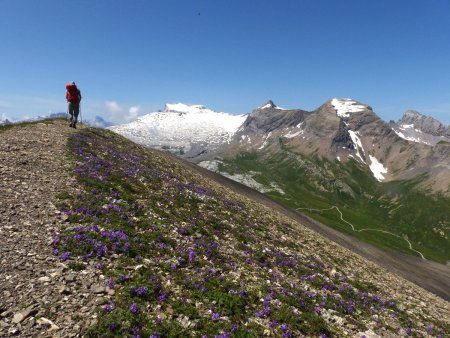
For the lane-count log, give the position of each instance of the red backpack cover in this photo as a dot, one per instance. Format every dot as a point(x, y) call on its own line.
point(72, 94)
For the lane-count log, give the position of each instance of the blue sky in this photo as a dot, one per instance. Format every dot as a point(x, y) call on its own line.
point(132, 57)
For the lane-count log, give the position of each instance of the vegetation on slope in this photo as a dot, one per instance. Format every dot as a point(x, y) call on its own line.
point(186, 259)
point(312, 186)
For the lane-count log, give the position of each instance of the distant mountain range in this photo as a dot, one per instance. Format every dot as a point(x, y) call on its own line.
point(386, 183)
point(340, 129)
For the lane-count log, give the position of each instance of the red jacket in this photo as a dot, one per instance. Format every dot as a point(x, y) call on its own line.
point(73, 94)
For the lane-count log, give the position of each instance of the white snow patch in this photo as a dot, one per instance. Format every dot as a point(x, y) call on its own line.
point(338, 158)
point(346, 106)
point(357, 143)
point(292, 135)
point(265, 141)
point(410, 138)
point(249, 181)
point(377, 168)
point(299, 125)
point(210, 165)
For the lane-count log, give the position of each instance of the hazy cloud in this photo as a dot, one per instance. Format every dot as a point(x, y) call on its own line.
point(118, 113)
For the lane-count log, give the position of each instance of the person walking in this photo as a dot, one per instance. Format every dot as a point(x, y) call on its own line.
point(73, 97)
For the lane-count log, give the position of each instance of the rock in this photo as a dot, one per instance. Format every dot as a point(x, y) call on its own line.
point(64, 290)
point(44, 279)
point(20, 316)
point(6, 313)
point(13, 331)
point(97, 289)
point(47, 323)
point(70, 278)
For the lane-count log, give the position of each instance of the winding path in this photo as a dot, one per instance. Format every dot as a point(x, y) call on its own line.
point(365, 229)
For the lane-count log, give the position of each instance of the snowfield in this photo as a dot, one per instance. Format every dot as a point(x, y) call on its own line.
point(181, 126)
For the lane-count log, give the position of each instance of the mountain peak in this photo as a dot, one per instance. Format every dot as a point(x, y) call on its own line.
point(184, 108)
point(344, 107)
point(426, 124)
point(268, 105)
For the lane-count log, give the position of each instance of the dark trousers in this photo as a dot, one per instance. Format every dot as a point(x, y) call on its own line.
point(74, 110)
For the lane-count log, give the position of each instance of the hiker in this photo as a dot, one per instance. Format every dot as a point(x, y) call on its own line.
point(73, 97)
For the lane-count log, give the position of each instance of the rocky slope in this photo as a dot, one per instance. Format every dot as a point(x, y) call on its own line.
point(343, 130)
point(105, 225)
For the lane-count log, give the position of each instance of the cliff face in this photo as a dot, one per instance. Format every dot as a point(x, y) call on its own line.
point(94, 221)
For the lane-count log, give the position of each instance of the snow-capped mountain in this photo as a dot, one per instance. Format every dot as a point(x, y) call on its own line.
point(187, 130)
point(341, 130)
point(419, 128)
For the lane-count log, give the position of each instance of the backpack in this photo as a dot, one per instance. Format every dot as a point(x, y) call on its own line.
point(73, 94)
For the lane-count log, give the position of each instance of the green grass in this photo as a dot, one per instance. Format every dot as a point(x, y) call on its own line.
point(398, 207)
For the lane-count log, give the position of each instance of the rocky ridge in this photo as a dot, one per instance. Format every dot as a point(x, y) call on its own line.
point(40, 295)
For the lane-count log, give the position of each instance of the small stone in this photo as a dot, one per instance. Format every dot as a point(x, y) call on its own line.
point(4, 324)
point(95, 288)
point(13, 330)
point(6, 313)
point(70, 277)
point(64, 290)
point(102, 301)
point(44, 279)
point(20, 316)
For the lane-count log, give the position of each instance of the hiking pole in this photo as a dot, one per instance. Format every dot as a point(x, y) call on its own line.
point(81, 117)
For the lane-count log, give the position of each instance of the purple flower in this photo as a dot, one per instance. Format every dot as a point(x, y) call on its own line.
point(162, 296)
point(284, 327)
point(122, 278)
point(136, 330)
point(65, 256)
point(317, 310)
point(140, 291)
point(287, 334)
point(233, 327)
point(429, 329)
point(110, 283)
point(108, 307)
point(134, 308)
point(113, 327)
point(191, 255)
point(215, 316)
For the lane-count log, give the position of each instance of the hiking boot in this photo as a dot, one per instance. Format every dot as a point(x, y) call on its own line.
point(74, 126)
point(71, 125)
